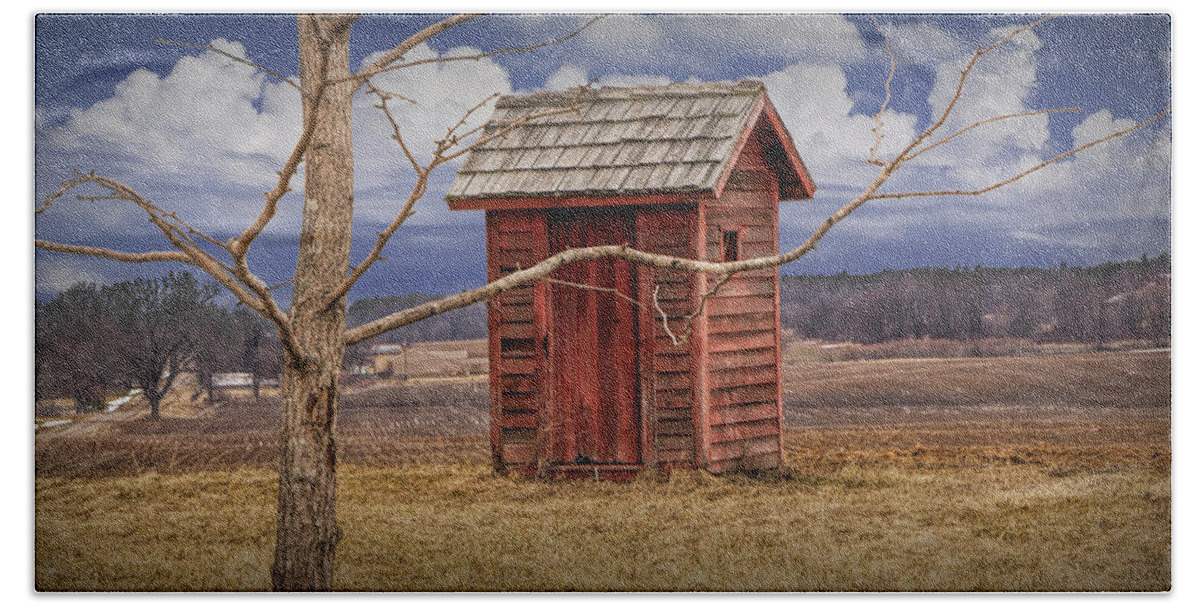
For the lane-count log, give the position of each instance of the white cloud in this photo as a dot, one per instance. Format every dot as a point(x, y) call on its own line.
point(200, 118)
point(211, 135)
point(566, 77)
point(443, 93)
point(1080, 204)
point(834, 143)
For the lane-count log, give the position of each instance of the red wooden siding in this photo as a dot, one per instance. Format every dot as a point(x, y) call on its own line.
point(595, 410)
point(670, 376)
point(516, 329)
point(742, 355)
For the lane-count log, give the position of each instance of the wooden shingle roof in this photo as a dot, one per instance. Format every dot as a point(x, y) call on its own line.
point(673, 139)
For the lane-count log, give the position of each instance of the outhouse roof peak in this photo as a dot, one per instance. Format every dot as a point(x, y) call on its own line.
point(679, 138)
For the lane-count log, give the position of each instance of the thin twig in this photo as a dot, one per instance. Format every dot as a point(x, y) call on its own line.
point(386, 63)
point(611, 290)
point(1033, 169)
point(877, 130)
point(257, 66)
point(959, 132)
point(687, 320)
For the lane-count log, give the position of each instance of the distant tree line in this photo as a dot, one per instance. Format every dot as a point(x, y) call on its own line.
point(1109, 302)
point(94, 341)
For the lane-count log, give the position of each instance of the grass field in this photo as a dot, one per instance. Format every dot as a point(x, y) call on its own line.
point(1030, 473)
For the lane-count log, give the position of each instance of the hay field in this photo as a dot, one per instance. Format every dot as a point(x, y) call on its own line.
point(1031, 473)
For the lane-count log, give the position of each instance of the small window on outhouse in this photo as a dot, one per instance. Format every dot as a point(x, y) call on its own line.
point(730, 245)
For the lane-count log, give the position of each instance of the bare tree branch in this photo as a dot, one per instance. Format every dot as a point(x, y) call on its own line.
point(262, 68)
point(397, 53)
point(976, 125)
point(877, 130)
point(241, 245)
point(1033, 169)
point(397, 135)
point(177, 233)
point(112, 254)
point(687, 321)
point(611, 290)
point(962, 79)
point(385, 64)
point(423, 173)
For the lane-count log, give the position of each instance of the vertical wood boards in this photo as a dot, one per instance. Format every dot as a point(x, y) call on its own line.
point(595, 413)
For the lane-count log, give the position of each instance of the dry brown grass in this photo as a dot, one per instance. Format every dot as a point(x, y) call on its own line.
point(895, 524)
point(1056, 477)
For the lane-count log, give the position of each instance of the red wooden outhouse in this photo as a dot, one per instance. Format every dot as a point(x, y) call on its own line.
point(584, 378)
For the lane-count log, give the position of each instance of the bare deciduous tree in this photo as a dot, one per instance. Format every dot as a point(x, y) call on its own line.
point(313, 331)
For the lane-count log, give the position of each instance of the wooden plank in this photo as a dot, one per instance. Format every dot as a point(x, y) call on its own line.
point(643, 231)
point(744, 412)
point(516, 436)
point(727, 217)
point(675, 442)
point(516, 240)
point(675, 455)
point(511, 262)
point(733, 359)
point(742, 431)
point(684, 200)
point(518, 347)
point(673, 413)
point(516, 331)
point(673, 362)
point(511, 364)
point(672, 380)
point(518, 402)
point(746, 448)
point(674, 427)
point(758, 249)
point(742, 376)
point(538, 295)
point(722, 305)
point(517, 313)
point(672, 292)
point(673, 398)
point(523, 383)
point(699, 346)
point(721, 397)
point(514, 419)
point(495, 386)
point(747, 340)
point(767, 460)
point(517, 296)
point(517, 453)
point(740, 322)
point(740, 287)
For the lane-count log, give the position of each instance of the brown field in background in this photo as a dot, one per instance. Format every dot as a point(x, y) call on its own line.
point(1048, 472)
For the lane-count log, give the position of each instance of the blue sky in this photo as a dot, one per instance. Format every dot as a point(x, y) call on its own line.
point(202, 135)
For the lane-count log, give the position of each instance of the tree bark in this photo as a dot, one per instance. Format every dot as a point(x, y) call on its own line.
point(306, 529)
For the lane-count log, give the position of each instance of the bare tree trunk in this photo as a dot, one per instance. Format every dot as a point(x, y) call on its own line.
point(155, 399)
point(307, 532)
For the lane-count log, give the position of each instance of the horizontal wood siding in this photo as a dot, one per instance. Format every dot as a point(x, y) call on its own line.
point(515, 240)
point(670, 232)
point(742, 319)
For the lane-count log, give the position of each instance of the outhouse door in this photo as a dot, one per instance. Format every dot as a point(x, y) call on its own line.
point(596, 417)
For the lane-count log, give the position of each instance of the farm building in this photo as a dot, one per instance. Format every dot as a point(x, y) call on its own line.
point(584, 378)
